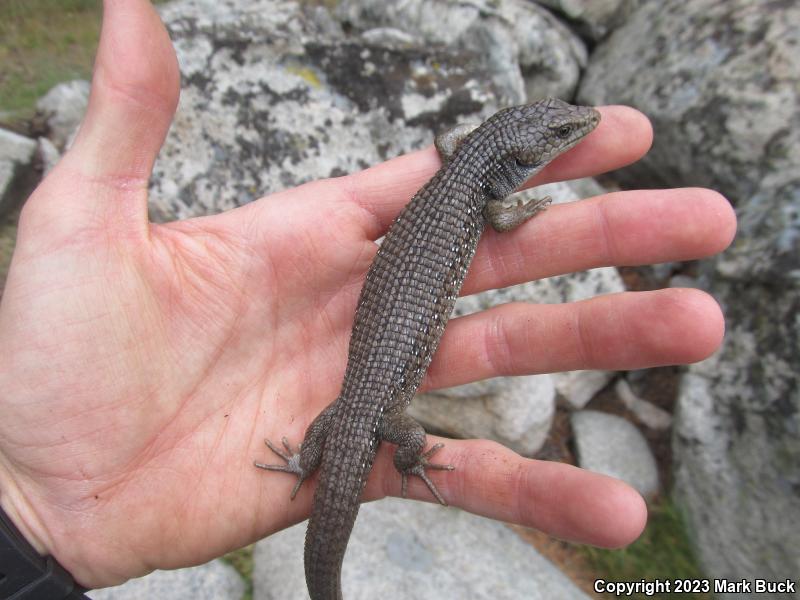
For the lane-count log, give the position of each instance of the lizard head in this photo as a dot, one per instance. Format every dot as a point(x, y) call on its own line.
point(528, 137)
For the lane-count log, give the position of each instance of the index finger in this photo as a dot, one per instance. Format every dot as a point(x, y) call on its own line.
point(623, 136)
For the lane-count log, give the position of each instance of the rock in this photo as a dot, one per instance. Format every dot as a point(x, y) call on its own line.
point(274, 96)
point(425, 550)
point(736, 440)
point(216, 580)
point(586, 187)
point(62, 109)
point(528, 52)
point(17, 173)
point(647, 413)
point(48, 153)
point(721, 83)
point(662, 272)
point(611, 445)
point(594, 19)
point(517, 413)
point(388, 35)
point(579, 387)
point(8, 236)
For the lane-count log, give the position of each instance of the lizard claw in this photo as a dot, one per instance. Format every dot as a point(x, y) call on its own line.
point(292, 465)
point(419, 471)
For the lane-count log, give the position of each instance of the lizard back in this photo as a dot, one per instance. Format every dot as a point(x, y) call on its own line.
point(404, 305)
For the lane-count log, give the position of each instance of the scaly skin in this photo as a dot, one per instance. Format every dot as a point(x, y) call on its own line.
point(405, 303)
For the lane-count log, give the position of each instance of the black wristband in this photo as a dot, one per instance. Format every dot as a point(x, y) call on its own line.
point(24, 575)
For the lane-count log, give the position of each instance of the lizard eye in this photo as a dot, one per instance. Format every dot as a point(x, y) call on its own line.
point(564, 131)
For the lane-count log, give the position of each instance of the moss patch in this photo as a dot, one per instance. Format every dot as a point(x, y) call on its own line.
point(662, 552)
point(242, 561)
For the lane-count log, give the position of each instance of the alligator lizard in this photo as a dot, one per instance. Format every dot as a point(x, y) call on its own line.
point(407, 298)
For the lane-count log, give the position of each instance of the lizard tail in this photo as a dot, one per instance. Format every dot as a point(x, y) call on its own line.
point(344, 471)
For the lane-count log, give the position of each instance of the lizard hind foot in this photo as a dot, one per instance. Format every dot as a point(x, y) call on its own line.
point(292, 465)
point(419, 470)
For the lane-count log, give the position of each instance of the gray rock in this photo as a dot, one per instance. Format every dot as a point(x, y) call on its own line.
point(579, 387)
point(405, 549)
point(611, 445)
point(17, 173)
point(216, 580)
point(529, 53)
point(587, 187)
point(648, 413)
point(388, 35)
point(517, 412)
point(685, 281)
point(63, 108)
point(721, 82)
point(736, 442)
point(274, 96)
point(661, 272)
point(8, 236)
point(593, 18)
point(49, 154)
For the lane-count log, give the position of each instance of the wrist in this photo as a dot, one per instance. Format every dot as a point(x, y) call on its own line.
point(25, 574)
point(21, 513)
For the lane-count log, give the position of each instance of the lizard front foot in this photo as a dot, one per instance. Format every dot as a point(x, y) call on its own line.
point(419, 470)
point(292, 465)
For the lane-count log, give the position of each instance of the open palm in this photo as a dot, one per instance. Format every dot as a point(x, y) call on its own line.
point(142, 365)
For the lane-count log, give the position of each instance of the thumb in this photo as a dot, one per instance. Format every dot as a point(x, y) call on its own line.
point(134, 93)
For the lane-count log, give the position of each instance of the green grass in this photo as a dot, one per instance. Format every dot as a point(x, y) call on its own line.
point(242, 561)
point(42, 43)
point(663, 552)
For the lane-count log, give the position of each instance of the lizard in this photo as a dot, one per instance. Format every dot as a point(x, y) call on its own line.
point(406, 300)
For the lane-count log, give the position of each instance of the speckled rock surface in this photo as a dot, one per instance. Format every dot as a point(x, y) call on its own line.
point(610, 445)
point(405, 549)
point(594, 19)
point(528, 53)
point(736, 441)
point(62, 109)
point(721, 81)
point(275, 95)
point(216, 580)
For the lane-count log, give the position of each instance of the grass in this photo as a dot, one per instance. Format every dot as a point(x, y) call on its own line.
point(662, 553)
point(42, 43)
point(242, 561)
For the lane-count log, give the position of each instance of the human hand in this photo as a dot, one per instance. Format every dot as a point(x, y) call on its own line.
point(142, 365)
